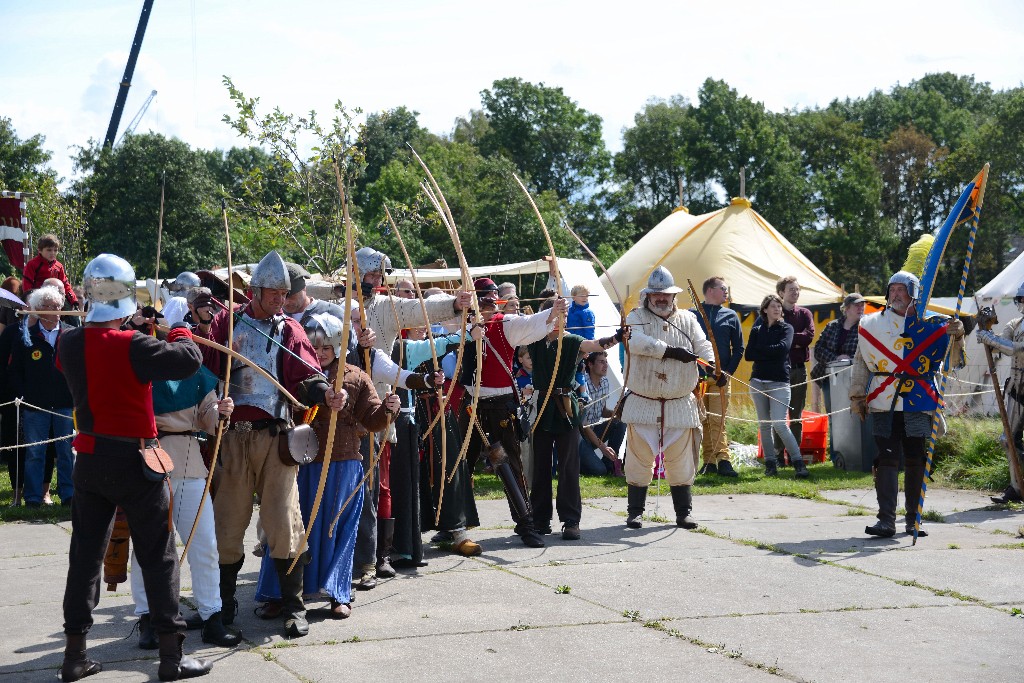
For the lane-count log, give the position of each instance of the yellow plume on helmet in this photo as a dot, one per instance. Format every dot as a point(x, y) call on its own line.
point(918, 253)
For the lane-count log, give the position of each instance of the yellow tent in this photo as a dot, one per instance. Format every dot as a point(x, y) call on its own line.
point(734, 242)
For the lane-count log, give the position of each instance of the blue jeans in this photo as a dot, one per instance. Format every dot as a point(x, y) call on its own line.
point(37, 426)
point(775, 411)
point(593, 463)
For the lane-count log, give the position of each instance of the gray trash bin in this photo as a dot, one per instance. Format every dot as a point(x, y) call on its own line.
point(853, 447)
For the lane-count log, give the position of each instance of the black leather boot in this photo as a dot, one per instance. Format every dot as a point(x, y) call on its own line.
point(385, 537)
point(887, 488)
point(292, 607)
point(913, 478)
point(682, 501)
point(636, 499)
point(215, 633)
point(228, 581)
point(174, 665)
point(76, 664)
point(147, 636)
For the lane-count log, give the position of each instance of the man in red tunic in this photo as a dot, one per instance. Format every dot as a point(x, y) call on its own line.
point(110, 374)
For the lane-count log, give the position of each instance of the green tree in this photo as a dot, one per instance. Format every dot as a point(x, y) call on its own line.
point(123, 187)
point(384, 136)
point(659, 155)
point(295, 205)
point(546, 134)
point(21, 161)
point(738, 133)
point(496, 223)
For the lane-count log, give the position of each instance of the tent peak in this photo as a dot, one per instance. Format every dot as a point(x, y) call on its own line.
point(740, 201)
point(680, 208)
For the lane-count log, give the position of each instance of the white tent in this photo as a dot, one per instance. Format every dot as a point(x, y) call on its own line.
point(971, 391)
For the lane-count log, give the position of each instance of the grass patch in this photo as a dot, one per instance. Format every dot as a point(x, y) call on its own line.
point(856, 512)
point(563, 589)
point(970, 456)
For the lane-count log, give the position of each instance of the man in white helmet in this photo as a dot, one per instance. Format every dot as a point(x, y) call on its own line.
point(110, 373)
point(249, 449)
point(1009, 342)
point(660, 411)
point(895, 371)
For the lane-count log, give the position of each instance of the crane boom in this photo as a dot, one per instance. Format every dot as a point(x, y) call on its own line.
point(129, 71)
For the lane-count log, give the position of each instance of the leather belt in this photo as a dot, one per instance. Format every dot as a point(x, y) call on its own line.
point(244, 426)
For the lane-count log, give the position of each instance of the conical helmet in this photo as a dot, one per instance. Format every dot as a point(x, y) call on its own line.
point(271, 273)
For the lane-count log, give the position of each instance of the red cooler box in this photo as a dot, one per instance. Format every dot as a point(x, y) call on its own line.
point(813, 441)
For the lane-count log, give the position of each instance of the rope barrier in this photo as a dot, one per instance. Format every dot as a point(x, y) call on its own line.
point(19, 403)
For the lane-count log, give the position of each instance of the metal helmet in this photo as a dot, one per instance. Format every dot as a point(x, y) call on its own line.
point(325, 329)
point(271, 273)
point(660, 282)
point(185, 281)
point(109, 283)
point(1019, 298)
point(370, 260)
point(908, 280)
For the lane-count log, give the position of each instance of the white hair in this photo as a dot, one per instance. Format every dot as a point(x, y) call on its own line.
point(45, 295)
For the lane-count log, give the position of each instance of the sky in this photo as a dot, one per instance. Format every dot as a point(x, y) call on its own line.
point(63, 59)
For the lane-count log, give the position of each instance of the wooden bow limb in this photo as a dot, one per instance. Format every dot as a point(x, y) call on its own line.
point(433, 358)
point(339, 379)
point(223, 421)
point(714, 349)
point(622, 310)
point(203, 341)
point(441, 206)
point(60, 313)
point(159, 238)
point(561, 320)
point(433, 192)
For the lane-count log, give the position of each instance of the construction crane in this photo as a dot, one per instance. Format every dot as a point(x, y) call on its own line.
point(138, 118)
point(129, 71)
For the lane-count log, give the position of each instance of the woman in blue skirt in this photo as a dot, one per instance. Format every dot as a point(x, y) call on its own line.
point(330, 568)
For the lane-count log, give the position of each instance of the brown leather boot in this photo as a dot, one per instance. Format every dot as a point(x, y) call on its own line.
point(76, 664)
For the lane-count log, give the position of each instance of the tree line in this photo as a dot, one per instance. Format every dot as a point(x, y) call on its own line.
point(851, 184)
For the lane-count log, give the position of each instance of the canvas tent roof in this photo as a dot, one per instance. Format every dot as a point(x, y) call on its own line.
point(735, 242)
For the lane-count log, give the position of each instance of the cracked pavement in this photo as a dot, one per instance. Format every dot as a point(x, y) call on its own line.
point(769, 587)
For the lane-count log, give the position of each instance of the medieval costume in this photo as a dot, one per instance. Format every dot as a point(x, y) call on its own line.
point(110, 372)
point(899, 357)
point(497, 407)
point(331, 555)
point(249, 450)
point(183, 408)
point(660, 411)
point(728, 336)
point(1011, 342)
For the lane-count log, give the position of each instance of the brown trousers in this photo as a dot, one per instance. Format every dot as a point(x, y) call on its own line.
point(251, 465)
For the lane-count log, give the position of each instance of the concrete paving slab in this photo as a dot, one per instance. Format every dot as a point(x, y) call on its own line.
point(991, 575)
point(959, 643)
point(574, 653)
point(31, 538)
point(227, 667)
point(716, 587)
point(945, 501)
point(486, 600)
point(841, 537)
point(469, 617)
